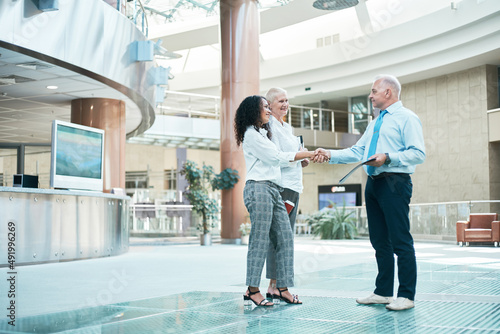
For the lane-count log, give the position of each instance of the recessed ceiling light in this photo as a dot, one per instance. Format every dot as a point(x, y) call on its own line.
point(35, 65)
point(52, 87)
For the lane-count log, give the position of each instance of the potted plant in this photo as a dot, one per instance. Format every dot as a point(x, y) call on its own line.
point(199, 181)
point(335, 223)
point(245, 233)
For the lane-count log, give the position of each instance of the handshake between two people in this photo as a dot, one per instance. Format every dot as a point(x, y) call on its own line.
point(321, 155)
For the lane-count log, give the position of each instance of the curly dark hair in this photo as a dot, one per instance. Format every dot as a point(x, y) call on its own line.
point(248, 113)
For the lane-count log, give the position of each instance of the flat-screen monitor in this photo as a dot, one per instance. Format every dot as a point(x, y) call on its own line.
point(337, 195)
point(77, 157)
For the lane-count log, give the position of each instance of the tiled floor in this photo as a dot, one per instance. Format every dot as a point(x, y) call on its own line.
point(458, 292)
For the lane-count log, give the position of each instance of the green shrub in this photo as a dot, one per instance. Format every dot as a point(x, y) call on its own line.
point(197, 191)
point(334, 223)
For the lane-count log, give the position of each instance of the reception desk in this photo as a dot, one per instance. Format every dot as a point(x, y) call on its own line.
point(46, 225)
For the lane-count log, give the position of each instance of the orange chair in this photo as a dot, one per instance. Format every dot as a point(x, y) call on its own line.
point(481, 227)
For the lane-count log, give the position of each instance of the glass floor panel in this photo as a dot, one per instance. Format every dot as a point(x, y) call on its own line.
point(225, 313)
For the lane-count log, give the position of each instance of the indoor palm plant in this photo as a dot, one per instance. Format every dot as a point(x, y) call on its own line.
point(199, 181)
point(335, 223)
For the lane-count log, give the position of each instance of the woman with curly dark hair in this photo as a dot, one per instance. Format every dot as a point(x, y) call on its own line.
point(262, 198)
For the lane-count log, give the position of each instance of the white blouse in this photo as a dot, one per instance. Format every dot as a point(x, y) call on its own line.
point(262, 158)
point(284, 139)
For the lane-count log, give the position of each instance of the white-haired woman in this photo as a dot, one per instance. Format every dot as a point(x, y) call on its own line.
point(291, 174)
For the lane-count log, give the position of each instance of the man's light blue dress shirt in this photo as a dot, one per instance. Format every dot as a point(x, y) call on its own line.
point(400, 135)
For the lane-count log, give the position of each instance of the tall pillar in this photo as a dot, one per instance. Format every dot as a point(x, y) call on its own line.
point(108, 115)
point(239, 24)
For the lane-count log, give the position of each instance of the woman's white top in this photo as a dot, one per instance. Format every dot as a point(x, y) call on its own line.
point(284, 139)
point(262, 158)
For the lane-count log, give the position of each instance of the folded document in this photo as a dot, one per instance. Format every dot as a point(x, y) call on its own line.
point(342, 180)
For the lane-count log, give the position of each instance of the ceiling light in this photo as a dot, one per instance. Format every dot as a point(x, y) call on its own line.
point(4, 81)
point(52, 87)
point(13, 79)
point(334, 4)
point(34, 65)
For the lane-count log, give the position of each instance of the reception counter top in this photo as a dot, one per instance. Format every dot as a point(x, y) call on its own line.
point(62, 192)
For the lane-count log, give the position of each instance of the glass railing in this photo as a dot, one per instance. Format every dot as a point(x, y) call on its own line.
point(190, 105)
point(311, 118)
point(136, 12)
point(429, 221)
point(166, 213)
point(170, 219)
point(433, 221)
point(321, 119)
point(161, 219)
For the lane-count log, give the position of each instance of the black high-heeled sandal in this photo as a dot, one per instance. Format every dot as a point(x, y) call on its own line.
point(248, 299)
point(295, 300)
point(269, 295)
point(276, 298)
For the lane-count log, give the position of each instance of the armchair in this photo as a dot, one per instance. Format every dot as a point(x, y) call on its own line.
point(481, 227)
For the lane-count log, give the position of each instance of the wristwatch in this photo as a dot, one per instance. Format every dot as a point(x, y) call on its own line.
point(387, 159)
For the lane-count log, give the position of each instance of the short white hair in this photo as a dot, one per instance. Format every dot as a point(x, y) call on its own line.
point(391, 81)
point(273, 92)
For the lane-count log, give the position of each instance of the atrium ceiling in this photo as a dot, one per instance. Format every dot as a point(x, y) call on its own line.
point(294, 35)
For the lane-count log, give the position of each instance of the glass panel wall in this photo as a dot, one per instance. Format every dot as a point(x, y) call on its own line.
point(316, 118)
point(36, 162)
point(498, 87)
point(433, 221)
point(171, 179)
point(360, 116)
point(135, 180)
point(313, 118)
point(299, 117)
point(326, 120)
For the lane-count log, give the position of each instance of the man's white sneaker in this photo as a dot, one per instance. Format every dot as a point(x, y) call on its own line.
point(401, 304)
point(374, 299)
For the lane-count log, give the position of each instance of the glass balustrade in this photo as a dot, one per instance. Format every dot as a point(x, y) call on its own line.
point(429, 221)
point(433, 221)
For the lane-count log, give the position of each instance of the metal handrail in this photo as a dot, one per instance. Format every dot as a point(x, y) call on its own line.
point(172, 207)
point(470, 203)
point(209, 109)
point(136, 13)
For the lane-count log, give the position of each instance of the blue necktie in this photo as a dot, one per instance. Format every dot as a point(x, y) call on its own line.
point(373, 143)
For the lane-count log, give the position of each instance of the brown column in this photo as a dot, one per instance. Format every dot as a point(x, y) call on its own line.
point(239, 21)
point(109, 115)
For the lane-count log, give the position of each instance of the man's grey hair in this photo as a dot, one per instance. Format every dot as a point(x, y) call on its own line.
point(273, 92)
point(391, 81)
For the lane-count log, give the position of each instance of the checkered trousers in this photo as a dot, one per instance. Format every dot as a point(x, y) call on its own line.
point(270, 223)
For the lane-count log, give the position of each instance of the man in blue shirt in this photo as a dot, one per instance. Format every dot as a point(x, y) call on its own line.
point(395, 140)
